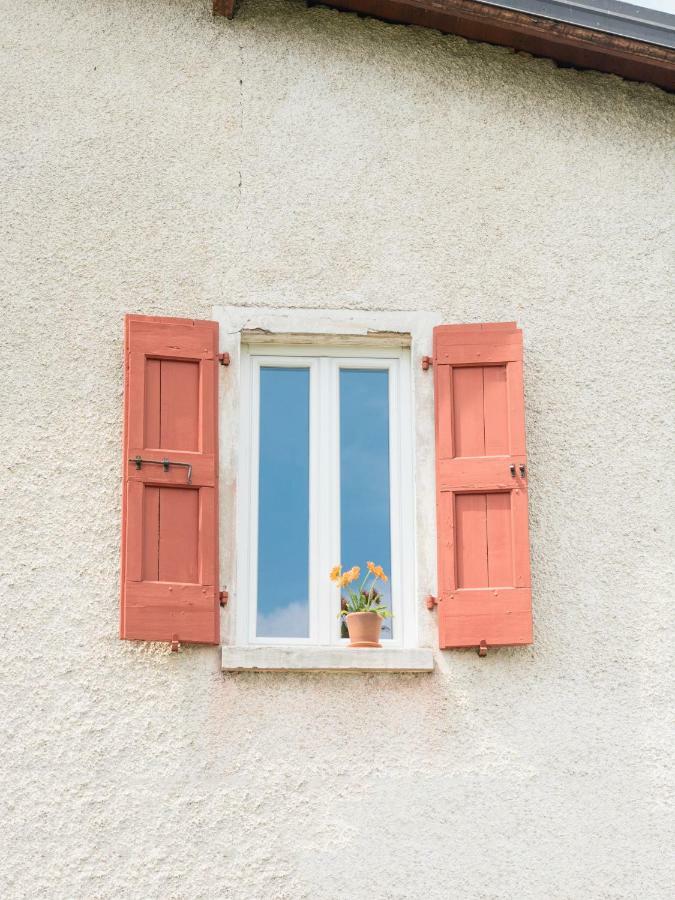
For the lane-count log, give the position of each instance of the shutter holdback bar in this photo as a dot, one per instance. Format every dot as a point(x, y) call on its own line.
point(165, 463)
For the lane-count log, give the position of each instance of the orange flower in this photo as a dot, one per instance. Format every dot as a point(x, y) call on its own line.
point(335, 573)
point(350, 576)
point(377, 571)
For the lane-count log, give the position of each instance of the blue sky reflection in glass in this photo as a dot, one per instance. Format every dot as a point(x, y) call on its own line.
point(283, 504)
point(365, 520)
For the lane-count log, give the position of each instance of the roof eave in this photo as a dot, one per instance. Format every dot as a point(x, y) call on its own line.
point(572, 45)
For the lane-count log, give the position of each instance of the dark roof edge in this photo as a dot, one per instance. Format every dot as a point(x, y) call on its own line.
point(609, 16)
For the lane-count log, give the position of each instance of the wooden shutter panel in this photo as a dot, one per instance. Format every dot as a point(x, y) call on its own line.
point(170, 514)
point(484, 591)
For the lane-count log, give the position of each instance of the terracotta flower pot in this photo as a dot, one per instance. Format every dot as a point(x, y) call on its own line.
point(364, 629)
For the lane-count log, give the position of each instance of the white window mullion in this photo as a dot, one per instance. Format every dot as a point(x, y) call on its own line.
point(322, 521)
point(405, 513)
point(333, 459)
point(315, 502)
point(397, 581)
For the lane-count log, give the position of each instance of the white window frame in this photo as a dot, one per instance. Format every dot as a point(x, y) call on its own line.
point(325, 363)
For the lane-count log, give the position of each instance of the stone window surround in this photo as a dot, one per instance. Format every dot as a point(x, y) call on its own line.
point(271, 325)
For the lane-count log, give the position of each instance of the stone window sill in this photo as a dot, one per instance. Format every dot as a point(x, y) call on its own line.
point(325, 659)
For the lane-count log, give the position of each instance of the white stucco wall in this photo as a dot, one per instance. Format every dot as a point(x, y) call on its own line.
point(156, 161)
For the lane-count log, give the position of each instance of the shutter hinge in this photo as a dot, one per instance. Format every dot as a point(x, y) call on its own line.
point(175, 644)
point(427, 361)
point(431, 601)
point(224, 359)
point(223, 596)
point(482, 649)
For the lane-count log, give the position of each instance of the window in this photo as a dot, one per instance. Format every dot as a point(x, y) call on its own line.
point(325, 470)
point(326, 477)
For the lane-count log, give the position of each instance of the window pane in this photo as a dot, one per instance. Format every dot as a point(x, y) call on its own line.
point(283, 504)
point(365, 525)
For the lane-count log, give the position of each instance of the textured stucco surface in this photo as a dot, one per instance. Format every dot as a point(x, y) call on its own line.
point(156, 161)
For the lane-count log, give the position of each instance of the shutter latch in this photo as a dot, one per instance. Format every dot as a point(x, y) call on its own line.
point(431, 601)
point(223, 596)
point(482, 649)
point(175, 644)
point(426, 362)
point(224, 359)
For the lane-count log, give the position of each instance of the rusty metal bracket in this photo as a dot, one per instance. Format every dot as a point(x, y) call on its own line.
point(224, 359)
point(482, 649)
point(427, 361)
point(223, 8)
point(223, 596)
point(431, 601)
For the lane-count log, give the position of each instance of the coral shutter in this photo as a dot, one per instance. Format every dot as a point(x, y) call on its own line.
point(484, 589)
point(170, 514)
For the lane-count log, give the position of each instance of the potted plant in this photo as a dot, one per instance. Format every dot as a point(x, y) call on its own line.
point(362, 609)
